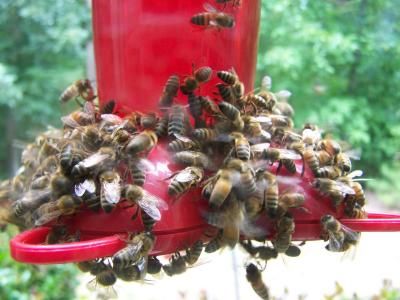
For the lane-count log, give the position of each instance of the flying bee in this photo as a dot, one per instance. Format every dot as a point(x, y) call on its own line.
point(147, 202)
point(104, 158)
point(340, 237)
point(143, 142)
point(170, 91)
point(343, 161)
point(330, 146)
point(82, 88)
point(110, 191)
point(213, 18)
point(232, 113)
point(65, 205)
point(335, 189)
point(184, 180)
point(254, 277)
point(161, 128)
point(285, 228)
point(183, 143)
point(177, 120)
point(194, 252)
point(176, 265)
point(192, 158)
point(154, 266)
point(30, 201)
point(138, 247)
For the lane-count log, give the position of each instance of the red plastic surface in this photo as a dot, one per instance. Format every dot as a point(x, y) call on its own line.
point(140, 43)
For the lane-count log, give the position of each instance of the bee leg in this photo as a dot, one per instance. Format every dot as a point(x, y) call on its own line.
point(78, 102)
point(304, 166)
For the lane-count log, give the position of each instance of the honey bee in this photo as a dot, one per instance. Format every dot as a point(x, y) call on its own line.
point(291, 200)
point(138, 247)
point(242, 146)
point(259, 102)
point(184, 180)
point(232, 113)
point(170, 91)
point(254, 277)
point(324, 158)
point(143, 142)
point(284, 156)
point(216, 243)
point(60, 185)
point(343, 161)
point(223, 183)
point(177, 120)
point(183, 143)
point(154, 266)
point(161, 128)
point(226, 92)
point(65, 205)
point(177, 265)
point(209, 106)
point(213, 18)
point(229, 77)
point(149, 203)
point(228, 218)
point(138, 169)
point(104, 276)
point(110, 192)
point(195, 107)
point(91, 137)
point(253, 128)
point(335, 189)
point(104, 158)
point(285, 228)
point(203, 74)
point(56, 234)
point(30, 201)
point(82, 88)
point(194, 252)
point(311, 160)
point(340, 237)
point(268, 183)
point(330, 146)
point(77, 119)
point(192, 158)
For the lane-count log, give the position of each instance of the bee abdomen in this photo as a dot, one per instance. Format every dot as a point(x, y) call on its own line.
point(193, 254)
point(243, 152)
point(226, 92)
point(261, 290)
point(195, 107)
point(106, 278)
point(138, 176)
point(148, 222)
point(161, 128)
point(204, 134)
point(227, 77)
point(202, 19)
point(289, 165)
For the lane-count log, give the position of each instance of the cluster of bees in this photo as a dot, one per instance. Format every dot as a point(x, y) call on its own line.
point(235, 147)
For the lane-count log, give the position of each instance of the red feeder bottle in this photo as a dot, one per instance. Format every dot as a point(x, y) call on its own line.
point(138, 45)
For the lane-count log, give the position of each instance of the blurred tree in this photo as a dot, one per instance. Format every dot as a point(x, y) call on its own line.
point(341, 60)
point(42, 50)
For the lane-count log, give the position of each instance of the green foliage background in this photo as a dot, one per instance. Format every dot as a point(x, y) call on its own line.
point(339, 58)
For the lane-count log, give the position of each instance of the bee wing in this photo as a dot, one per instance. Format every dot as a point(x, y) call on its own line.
point(88, 185)
point(335, 242)
point(92, 285)
point(313, 135)
point(289, 180)
point(266, 83)
point(260, 147)
point(208, 7)
point(351, 235)
point(344, 188)
point(185, 176)
point(89, 108)
point(111, 118)
point(354, 154)
point(251, 230)
point(289, 154)
point(283, 95)
point(69, 121)
point(182, 138)
point(94, 159)
point(112, 190)
point(355, 173)
point(264, 120)
point(152, 204)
